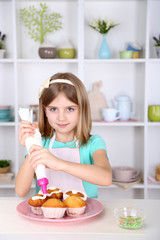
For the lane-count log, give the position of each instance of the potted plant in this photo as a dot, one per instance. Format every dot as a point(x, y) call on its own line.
point(4, 166)
point(157, 45)
point(103, 26)
point(39, 23)
point(2, 46)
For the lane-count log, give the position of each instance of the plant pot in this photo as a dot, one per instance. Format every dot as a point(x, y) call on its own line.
point(66, 50)
point(158, 51)
point(4, 170)
point(2, 53)
point(66, 53)
point(47, 50)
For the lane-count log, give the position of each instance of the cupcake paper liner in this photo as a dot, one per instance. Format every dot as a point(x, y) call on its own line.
point(36, 210)
point(53, 212)
point(72, 212)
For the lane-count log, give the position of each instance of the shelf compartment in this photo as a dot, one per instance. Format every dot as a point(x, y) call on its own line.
point(153, 149)
point(124, 145)
point(6, 18)
point(28, 48)
point(131, 30)
point(154, 18)
point(7, 83)
point(126, 78)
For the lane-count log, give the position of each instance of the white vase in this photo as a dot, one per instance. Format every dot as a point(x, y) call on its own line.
point(2, 52)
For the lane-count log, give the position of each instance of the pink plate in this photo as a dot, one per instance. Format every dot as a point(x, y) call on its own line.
point(93, 208)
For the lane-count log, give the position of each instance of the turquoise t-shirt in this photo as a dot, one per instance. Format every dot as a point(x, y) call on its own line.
point(86, 152)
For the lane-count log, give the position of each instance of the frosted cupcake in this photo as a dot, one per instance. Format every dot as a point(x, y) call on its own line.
point(36, 202)
point(75, 206)
point(76, 193)
point(53, 192)
point(53, 208)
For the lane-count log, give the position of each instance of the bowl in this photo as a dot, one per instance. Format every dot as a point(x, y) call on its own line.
point(66, 53)
point(126, 54)
point(124, 173)
point(4, 113)
point(129, 218)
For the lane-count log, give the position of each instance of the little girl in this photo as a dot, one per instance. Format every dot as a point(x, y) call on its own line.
point(74, 159)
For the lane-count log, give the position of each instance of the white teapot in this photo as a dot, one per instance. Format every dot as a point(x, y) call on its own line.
point(125, 106)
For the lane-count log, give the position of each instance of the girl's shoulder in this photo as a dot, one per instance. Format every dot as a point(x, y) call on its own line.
point(95, 139)
point(95, 142)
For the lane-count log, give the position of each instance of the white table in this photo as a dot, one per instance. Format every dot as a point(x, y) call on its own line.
point(16, 227)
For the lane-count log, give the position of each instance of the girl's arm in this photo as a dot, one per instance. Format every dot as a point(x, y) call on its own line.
point(100, 173)
point(24, 178)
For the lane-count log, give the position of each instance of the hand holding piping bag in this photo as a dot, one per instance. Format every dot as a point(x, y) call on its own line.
point(27, 114)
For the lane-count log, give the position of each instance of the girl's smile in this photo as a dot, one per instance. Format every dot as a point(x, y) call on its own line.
point(63, 115)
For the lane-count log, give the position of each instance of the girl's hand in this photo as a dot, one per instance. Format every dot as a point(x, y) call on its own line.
point(41, 155)
point(26, 129)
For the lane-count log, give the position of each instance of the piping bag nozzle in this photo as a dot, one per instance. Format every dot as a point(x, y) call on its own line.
point(43, 182)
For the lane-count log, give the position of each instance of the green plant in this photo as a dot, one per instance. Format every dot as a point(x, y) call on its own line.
point(4, 163)
point(157, 40)
point(102, 26)
point(2, 37)
point(38, 22)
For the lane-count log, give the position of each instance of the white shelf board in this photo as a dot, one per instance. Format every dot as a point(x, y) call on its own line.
point(6, 60)
point(118, 124)
point(150, 124)
point(47, 60)
point(11, 184)
point(7, 124)
point(153, 186)
point(137, 186)
point(118, 60)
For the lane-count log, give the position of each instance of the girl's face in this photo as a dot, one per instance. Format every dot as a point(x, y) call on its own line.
point(62, 115)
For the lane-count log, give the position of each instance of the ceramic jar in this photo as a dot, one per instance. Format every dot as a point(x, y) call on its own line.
point(66, 51)
point(47, 50)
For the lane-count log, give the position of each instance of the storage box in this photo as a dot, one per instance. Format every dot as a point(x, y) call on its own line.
point(6, 177)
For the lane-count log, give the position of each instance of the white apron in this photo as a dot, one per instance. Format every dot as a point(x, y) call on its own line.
point(61, 179)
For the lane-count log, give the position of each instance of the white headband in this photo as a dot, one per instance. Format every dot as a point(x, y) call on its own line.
point(47, 82)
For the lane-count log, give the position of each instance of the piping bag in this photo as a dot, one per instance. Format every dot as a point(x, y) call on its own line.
point(27, 115)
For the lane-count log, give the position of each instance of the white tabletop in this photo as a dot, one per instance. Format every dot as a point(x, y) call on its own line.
point(102, 226)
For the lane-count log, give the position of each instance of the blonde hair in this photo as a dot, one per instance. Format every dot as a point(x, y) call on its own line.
point(75, 93)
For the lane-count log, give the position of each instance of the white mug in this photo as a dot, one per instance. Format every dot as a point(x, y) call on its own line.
point(110, 114)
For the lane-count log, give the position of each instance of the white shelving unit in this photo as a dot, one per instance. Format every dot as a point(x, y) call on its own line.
point(136, 143)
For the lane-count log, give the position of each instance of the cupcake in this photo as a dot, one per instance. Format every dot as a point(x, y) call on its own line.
point(75, 206)
point(53, 208)
point(76, 193)
point(36, 202)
